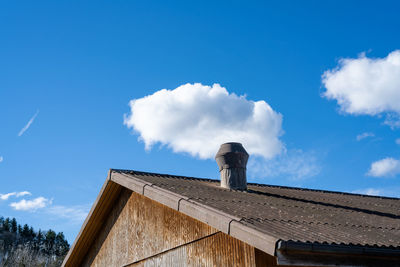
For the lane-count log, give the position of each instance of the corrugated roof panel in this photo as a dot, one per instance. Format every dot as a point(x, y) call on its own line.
point(304, 215)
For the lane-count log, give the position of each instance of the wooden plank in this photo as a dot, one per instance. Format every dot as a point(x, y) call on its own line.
point(75, 249)
point(214, 218)
point(254, 237)
point(93, 223)
point(263, 259)
point(138, 227)
point(216, 250)
point(99, 218)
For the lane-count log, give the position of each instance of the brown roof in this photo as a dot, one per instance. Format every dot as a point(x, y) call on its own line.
point(274, 219)
point(287, 213)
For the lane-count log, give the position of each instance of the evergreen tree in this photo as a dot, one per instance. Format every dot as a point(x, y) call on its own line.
point(62, 245)
point(13, 225)
point(50, 240)
point(12, 234)
point(31, 233)
point(6, 225)
point(25, 232)
point(39, 237)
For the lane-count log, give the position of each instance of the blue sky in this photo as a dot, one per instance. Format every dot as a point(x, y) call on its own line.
point(71, 69)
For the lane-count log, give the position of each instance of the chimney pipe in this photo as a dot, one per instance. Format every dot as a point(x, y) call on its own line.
point(232, 159)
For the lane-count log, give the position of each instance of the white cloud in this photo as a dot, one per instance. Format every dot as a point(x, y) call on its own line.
point(17, 194)
point(23, 193)
point(393, 120)
point(293, 164)
point(366, 86)
point(6, 196)
point(197, 119)
point(385, 168)
point(30, 205)
point(1, 158)
point(369, 191)
point(397, 141)
point(28, 124)
point(364, 135)
point(392, 191)
point(75, 214)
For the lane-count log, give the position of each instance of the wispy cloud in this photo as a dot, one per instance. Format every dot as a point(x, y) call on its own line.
point(72, 214)
point(386, 167)
point(369, 191)
point(364, 135)
point(26, 127)
point(293, 164)
point(30, 205)
point(23, 193)
point(16, 194)
point(397, 141)
point(6, 196)
point(393, 120)
point(384, 191)
point(75, 214)
point(1, 158)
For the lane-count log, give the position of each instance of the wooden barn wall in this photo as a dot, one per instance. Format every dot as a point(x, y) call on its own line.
point(216, 250)
point(142, 232)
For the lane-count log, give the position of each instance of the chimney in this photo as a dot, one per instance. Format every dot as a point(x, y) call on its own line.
point(232, 159)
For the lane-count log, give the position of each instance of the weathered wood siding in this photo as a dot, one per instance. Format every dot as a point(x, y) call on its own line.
point(142, 232)
point(216, 250)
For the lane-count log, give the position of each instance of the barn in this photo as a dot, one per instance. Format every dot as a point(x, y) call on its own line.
point(150, 219)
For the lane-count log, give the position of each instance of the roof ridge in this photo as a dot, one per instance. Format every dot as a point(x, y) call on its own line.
point(320, 190)
point(254, 184)
point(162, 174)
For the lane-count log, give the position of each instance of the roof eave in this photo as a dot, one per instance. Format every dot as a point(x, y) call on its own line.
point(103, 203)
point(315, 254)
point(222, 221)
point(231, 225)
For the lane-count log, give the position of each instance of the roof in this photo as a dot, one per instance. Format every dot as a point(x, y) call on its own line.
point(297, 214)
point(264, 216)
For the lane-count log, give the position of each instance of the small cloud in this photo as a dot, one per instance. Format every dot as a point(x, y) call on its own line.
point(26, 127)
point(1, 158)
point(366, 86)
point(382, 192)
point(392, 120)
point(294, 164)
point(31, 205)
point(397, 141)
point(16, 194)
point(386, 167)
point(23, 193)
point(196, 119)
point(75, 214)
point(369, 191)
point(6, 196)
point(364, 135)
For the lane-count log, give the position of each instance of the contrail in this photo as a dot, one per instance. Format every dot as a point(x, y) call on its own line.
point(28, 124)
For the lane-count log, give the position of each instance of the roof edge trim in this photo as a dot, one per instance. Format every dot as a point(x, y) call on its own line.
point(296, 253)
point(82, 232)
point(297, 246)
point(224, 222)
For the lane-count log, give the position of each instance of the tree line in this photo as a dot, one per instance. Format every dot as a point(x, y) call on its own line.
point(49, 242)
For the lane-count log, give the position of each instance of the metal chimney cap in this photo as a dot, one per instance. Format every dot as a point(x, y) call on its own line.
point(231, 155)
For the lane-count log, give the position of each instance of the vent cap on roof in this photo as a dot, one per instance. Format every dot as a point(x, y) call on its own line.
point(232, 160)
